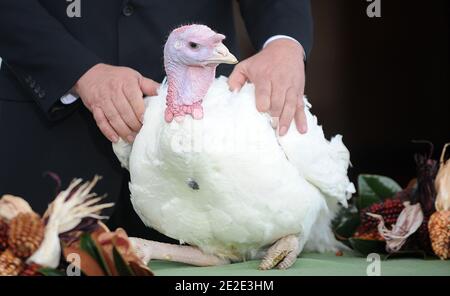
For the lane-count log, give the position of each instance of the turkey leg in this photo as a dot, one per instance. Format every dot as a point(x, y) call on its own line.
point(282, 254)
point(147, 250)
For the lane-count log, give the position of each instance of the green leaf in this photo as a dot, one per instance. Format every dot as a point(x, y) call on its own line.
point(375, 188)
point(46, 271)
point(88, 245)
point(348, 227)
point(346, 222)
point(122, 267)
point(366, 247)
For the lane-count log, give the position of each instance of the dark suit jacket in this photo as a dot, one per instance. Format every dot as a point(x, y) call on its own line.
point(45, 52)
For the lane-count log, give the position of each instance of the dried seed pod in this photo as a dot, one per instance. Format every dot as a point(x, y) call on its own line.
point(11, 206)
point(26, 232)
point(425, 195)
point(372, 234)
point(67, 213)
point(10, 264)
point(439, 224)
point(442, 183)
point(389, 209)
point(3, 235)
point(31, 270)
point(407, 224)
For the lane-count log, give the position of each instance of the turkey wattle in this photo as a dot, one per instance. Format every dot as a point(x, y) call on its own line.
point(218, 177)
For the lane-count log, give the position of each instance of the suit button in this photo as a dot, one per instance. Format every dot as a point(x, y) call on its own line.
point(41, 94)
point(128, 10)
point(32, 83)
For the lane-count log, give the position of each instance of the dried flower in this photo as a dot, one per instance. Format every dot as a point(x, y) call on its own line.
point(3, 235)
point(26, 232)
point(31, 270)
point(425, 194)
point(442, 183)
point(10, 264)
point(389, 209)
point(439, 224)
point(407, 223)
point(11, 206)
point(119, 240)
point(65, 214)
point(106, 242)
point(372, 234)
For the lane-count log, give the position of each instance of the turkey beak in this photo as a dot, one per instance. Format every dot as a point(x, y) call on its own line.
point(222, 55)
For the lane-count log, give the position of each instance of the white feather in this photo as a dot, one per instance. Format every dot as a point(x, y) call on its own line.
point(254, 187)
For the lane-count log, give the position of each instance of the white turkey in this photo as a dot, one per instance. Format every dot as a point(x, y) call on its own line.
point(209, 170)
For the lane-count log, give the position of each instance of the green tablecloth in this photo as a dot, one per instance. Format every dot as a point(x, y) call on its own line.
point(312, 264)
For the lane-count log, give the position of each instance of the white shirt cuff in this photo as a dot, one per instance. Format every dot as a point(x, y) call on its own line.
point(276, 37)
point(273, 38)
point(68, 99)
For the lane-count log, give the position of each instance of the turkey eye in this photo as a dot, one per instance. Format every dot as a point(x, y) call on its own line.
point(193, 45)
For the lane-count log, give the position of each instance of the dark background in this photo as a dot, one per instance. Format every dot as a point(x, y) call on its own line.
point(381, 82)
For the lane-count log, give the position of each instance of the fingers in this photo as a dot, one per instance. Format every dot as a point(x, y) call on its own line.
point(300, 116)
point(115, 120)
point(115, 97)
point(289, 109)
point(134, 96)
point(104, 126)
point(148, 86)
point(237, 78)
point(126, 112)
point(263, 89)
point(277, 99)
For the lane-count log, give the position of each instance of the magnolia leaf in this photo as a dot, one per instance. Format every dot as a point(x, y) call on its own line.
point(366, 247)
point(86, 263)
point(345, 223)
point(51, 272)
point(375, 188)
point(88, 245)
point(121, 266)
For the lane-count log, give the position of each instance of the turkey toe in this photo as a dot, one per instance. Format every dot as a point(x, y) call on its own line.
point(282, 254)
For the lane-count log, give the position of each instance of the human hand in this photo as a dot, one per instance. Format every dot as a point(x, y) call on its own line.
point(278, 73)
point(114, 95)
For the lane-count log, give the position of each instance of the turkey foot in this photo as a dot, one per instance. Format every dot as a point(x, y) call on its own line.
point(147, 250)
point(282, 254)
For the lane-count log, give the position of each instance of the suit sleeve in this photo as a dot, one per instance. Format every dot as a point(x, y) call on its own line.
point(41, 53)
point(267, 18)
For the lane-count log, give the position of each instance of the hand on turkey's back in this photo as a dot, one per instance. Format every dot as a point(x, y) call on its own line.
point(114, 96)
point(278, 73)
